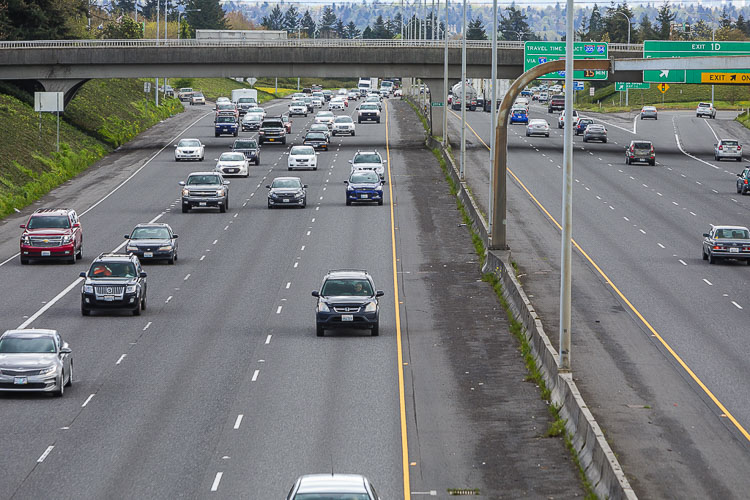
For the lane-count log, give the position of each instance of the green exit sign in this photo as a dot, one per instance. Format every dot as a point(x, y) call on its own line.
point(679, 49)
point(437, 104)
point(536, 53)
point(621, 86)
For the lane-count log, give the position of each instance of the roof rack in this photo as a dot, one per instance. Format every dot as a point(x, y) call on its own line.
point(347, 270)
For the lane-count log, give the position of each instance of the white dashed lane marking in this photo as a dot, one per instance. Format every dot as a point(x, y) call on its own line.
point(217, 480)
point(120, 360)
point(88, 399)
point(238, 421)
point(707, 282)
point(255, 375)
point(44, 455)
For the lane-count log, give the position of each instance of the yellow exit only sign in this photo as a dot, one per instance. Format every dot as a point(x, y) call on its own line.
point(729, 78)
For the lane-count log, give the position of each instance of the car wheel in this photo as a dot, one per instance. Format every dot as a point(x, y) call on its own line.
point(604, 141)
point(348, 202)
point(585, 140)
point(319, 331)
point(58, 393)
point(703, 254)
point(352, 134)
point(70, 376)
point(72, 259)
point(24, 261)
point(380, 202)
point(185, 209)
point(202, 158)
point(711, 258)
point(171, 260)
point(739, 189)
point(627, 161)
point(378, 120)
point(223, 208)
point(80, 252)
point(137, 310)
point(216, 135)
point(143, 300)
point(375, 330)
point(652, 162)
point(84, 311)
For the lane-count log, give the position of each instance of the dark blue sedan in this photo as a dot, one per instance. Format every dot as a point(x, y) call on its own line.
point(364, 185)
point(519, 115)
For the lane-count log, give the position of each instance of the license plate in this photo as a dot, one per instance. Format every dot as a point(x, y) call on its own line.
point(271, 139)
point(347, 317)
point(109, 298)
point(20, 380)
point(148, 254)
point(202, 203)
point(364, 196)
point(45, 253)
point(734, 250)
point(286, 200)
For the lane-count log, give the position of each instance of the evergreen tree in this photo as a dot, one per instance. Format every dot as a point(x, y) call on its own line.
point(339, 29)
point(514, 25)
point(274, 20)
point(41, 19)
point(646, 30)
point(327, 23)
point(367, 33)
point(379, 29)
point(596, 24)
point(352, 31)
point(664, 18)
point(148, 9)
point(475, 30)
point(210, 16)
point(616, 24)
point(725, 21)
point(701, 30)
point(741, 24)
point(308, 25)
point(291, 20)
point(126, 7)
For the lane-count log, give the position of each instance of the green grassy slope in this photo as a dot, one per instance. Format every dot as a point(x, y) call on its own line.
point(678, 96)
point(216, 87)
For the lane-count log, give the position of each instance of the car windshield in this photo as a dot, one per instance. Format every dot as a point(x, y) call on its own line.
point(347, 287)
point(273, 124)
point(225, 119)
point(189, 143)
point(729, 143)
point(595, 126)
point(19, 345)
point(585, 121)
point(319, 127)
point(733, 234)
point(286, 183)
point(224, 106)
point(704, 105)
point(150, 233)
point(649, 108)
point(245, 145)
point(331, 496)
point(49, 222)
point(302, 150)
point(325, 114)
point(367, 158)
point(369, 106)
point(194, 180)
point(256, 110)
point(642, 145)
point(316, 136)
point(244, 100)
point(112, 270)
point(538, 122)
point(253, 117)
point(364, 176)
point(519, 111)
point(232, 157)
point(343, 119)
point(197, 94)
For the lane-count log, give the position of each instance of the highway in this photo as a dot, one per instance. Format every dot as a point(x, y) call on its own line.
point(641, 226)
point(221, 389)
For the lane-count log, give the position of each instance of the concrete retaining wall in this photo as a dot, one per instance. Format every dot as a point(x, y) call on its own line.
point(594, 453)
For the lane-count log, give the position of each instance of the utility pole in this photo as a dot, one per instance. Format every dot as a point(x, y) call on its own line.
point(493, 106)
point(462, 168)
point(567, 208)
point(445, 78)
point(156, 87)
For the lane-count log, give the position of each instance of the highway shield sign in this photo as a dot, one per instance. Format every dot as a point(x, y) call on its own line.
point(536, 53)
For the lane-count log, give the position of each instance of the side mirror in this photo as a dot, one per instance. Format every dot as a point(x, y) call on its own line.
point(216, 159)
point(268, 186)
point(143, 274)
point(226, 183)
point(705, 235)
point(175, 145)
point(127, 236)
point(738, 175)
point(77, 224)
point(351, 161)
point(315, 293)
point(65, 349)
point(304, 186)
point(346, 182)
point(23, 226)
point(82, 274)
point(181, 183)
point(379, 293)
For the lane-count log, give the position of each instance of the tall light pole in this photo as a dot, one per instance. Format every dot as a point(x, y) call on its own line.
point(462, 167)
point(493, 105)
point(156, 87)
point(445, 78)
point(566, 249)
point(402, 21)
point(629, 27)
point(179, 22)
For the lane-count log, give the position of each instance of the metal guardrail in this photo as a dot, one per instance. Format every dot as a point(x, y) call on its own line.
point(290, 42)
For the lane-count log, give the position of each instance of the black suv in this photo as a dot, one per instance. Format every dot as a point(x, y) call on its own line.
point(347, 299)
point(248, 147)
point(272, 130)
point(114, 281)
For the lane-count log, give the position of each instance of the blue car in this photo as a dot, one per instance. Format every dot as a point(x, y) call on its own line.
point(519, 116)
point(226, 125)
point(526, 92)
point(364, 185)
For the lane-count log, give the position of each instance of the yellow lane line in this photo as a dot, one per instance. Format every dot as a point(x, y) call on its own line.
point(401, 397)
point(725, 412)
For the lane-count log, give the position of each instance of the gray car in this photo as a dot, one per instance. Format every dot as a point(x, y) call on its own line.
point(728, 148)
point(726, 242)
point(332, 487)
point(595, 132)
point(640, 151)
point(35, 360)
point(203, 190)
point(649, 112)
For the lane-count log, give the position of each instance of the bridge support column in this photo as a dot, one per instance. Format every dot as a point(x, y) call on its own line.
point(67, 86)
point(436, 96)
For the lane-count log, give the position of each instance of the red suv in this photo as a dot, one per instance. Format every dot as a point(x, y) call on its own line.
point(53, 233)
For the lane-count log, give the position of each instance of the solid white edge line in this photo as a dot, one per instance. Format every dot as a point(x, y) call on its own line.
point(238, 421)
point(712, 130)
point(217, 480)
point(49, 304)
point(44, 455)
point(121, 358)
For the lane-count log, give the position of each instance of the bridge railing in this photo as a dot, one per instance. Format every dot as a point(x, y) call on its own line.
point(290, 42)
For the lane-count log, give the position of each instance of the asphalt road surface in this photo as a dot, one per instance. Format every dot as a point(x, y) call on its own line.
point(675, 423)
point(221, 389)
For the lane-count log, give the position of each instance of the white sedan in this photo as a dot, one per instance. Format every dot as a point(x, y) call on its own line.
point(232, 163)
point(303, 157)
point(325, 117)
point(189, 149)
point(298, 108)
point(336, 103)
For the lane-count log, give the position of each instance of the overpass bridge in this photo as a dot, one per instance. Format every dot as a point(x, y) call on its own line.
point(63, 65)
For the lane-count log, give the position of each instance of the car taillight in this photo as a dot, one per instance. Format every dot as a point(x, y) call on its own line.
point(739, 148)
point(745, 181)
point(721, 147)
point(718, 247)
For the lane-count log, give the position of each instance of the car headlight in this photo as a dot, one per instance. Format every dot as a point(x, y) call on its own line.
point(185, 192)
point(323, 307)
point(131, 248)
point(371, 307)
point(220, 192)
point(26, 240)
point(88, 288)
point(49, 370)
point(165, 248)
point(67, 239)
point(130, 288)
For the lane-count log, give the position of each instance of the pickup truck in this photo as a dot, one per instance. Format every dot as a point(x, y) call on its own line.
point(272, 130)
point(226, 125)
point(185, 93)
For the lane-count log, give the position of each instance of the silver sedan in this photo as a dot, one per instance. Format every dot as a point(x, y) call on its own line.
point(537, 126)
point(35, 360)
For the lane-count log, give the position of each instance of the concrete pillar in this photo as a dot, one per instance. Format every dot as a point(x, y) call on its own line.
point(437, 89)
